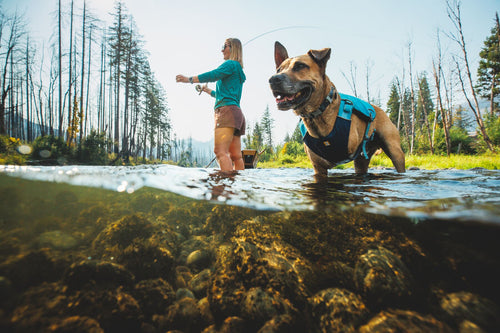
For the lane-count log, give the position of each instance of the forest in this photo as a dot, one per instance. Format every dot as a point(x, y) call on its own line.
point(55, 109)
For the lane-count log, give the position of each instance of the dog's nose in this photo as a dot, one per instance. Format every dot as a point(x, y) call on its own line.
point(275, 79)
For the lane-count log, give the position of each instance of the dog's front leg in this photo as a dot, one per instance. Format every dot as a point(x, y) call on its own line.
point(319, 165)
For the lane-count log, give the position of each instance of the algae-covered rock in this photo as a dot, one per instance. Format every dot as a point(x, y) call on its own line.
point(259, 306)
point(154, 296)
point(96, 273)
point(337, 310)
point(404, 321)
point(460, 306)
point(200, 283)
point(382, 276)
point(76, 324)
point(115, 309)
point(134, 232)
point(147, 260)
point(281, 324)
point(33, 268)
point(184, 315)
point(122, 233)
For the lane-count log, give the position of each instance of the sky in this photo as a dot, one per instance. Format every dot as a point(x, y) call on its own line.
point(185, 37)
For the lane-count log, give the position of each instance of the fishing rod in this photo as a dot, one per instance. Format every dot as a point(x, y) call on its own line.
point(199, 88)
point(279, 29)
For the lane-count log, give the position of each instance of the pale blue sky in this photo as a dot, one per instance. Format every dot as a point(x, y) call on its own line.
point(185, 37)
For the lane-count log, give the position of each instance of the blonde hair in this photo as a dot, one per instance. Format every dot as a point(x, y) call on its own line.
point(236, 50)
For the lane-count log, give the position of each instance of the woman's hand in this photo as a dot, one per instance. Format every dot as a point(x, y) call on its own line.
point(182, 78)
point(185, 79)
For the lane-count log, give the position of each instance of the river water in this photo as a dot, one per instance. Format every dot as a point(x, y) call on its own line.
point(448, 194)
point(259, 249)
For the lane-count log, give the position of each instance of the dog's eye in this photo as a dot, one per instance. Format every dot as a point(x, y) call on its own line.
point(298, 66)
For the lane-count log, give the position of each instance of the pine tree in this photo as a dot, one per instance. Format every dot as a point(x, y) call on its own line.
point(488, 72)
point(267, 125)
point(393, 103)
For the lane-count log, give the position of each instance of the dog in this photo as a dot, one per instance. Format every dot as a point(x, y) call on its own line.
point(337, 128)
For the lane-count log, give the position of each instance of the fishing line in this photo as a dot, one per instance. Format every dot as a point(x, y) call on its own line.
point(282, 28)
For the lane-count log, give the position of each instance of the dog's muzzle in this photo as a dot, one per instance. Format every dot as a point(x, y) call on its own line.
point(290, 95)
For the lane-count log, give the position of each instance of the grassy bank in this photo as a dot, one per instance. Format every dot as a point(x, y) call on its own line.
point(429, 162)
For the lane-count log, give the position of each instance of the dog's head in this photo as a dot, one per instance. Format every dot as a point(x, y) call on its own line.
point(297, 81)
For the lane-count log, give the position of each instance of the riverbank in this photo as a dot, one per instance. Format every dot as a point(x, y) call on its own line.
point(429, 162)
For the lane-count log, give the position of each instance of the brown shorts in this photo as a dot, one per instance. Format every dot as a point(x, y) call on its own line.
point(230, 116)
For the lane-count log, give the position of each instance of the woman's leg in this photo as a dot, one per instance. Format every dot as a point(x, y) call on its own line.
point(223, 139)
point(235, 153)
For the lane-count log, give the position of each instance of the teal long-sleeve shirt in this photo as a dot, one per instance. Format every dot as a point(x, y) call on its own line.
point(230, 77)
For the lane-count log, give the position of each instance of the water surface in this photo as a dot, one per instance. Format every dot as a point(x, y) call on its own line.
point(448, 194)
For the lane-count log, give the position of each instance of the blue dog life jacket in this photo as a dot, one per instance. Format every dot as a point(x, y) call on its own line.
point(333, 147)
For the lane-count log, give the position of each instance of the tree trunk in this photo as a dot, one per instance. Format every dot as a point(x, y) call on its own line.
point(83, 72)
point(412, 100)
point(60, 73)
point(439, 104)
point(70, 80)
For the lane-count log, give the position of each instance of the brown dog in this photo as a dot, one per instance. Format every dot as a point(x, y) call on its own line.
point(333, 121)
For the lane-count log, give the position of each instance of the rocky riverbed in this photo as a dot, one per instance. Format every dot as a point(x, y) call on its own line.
point(77, 259)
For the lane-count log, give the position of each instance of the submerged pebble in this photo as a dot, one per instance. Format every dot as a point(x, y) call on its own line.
point(199, 259)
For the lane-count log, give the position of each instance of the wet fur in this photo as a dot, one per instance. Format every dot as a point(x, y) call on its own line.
point(307, 73)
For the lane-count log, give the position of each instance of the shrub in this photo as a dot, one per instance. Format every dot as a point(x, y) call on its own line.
point(51, 148)
point(93, 149)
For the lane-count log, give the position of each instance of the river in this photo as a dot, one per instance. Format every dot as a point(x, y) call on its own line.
point(156, 248)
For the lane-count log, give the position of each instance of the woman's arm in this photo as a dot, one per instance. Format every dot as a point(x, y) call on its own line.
point(186, 79)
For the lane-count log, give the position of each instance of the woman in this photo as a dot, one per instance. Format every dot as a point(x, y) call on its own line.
point(229, 120)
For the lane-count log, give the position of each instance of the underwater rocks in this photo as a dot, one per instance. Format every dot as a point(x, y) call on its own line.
point(338, 310)
point(33, 268)
point(154, 265)
point(382, 276)
point(468, 309)
point(96, 273)
point(404, 321)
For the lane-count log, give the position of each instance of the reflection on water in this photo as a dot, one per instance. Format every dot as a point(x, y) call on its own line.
point(162, 248)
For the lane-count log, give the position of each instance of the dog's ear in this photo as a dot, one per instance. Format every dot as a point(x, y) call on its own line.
point(320, 56)
point(280, 54)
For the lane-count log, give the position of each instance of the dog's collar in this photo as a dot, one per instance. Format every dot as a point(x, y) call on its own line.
point(323, 106)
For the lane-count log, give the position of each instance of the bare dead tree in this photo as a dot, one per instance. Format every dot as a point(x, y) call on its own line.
point(426, 119)
point(60, 71)
point(82, 76)
point(412, 101)
point(369, 66)
point(437, 72)
point(352, 80)
point(453, 10)
point(16, 32)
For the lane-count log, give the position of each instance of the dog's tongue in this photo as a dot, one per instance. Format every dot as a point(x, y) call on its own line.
point(281, 99)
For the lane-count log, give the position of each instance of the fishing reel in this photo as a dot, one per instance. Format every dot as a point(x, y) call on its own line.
point(199, 89)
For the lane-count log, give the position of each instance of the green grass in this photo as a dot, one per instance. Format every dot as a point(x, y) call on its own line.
point(429, 162)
